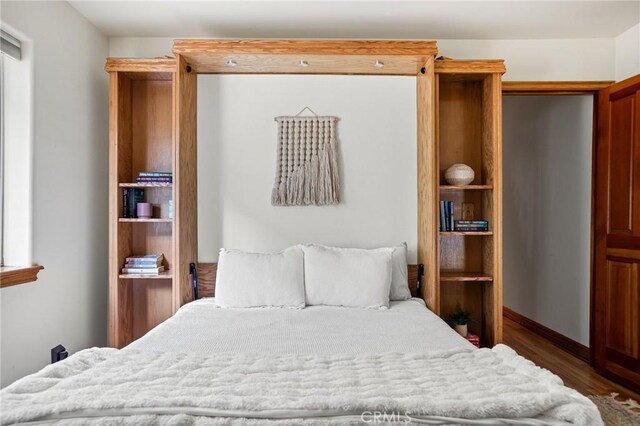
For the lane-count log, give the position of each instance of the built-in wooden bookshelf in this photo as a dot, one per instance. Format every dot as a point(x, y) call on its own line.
point(143, 138)
point(469, 131)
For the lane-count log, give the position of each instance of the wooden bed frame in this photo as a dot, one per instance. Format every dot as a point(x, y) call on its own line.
point(153, 111)
point(207, 279)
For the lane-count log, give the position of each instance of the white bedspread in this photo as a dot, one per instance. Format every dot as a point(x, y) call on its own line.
point(106, 386)
point(200, 326)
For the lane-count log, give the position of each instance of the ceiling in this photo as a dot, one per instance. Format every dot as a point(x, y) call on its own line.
point(362, 19)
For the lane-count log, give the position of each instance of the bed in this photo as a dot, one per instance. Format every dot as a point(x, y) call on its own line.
point(318, 365)
point(312, 334)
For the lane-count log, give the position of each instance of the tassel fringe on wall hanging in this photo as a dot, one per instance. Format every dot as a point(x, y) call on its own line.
point(307, 167)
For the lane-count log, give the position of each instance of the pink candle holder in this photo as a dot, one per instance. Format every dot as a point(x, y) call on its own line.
point(144, 210)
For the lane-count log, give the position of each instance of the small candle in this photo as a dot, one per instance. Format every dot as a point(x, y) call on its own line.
point(144, 210)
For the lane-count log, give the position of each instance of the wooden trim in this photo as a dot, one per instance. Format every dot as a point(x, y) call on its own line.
point(190, 47)
point(577, 349)
point(14, 275)
point(470, 66)
point(553, 87)
point(162, 65)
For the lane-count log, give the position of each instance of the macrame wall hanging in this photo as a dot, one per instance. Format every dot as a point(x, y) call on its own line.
point(307, 167)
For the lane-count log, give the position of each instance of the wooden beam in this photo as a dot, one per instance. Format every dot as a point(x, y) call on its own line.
point(365, 57)
point(553, 87)
point(189, 47)
point(428, 183)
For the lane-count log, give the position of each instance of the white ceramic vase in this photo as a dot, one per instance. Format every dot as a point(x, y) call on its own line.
point(462, 329)
point(459, 174)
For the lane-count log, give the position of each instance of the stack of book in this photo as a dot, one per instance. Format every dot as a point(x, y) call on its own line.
point(472, 225)
point(148, 264)
point(130, 198)
point(446, 216)
point(154, 177)
point(449, 224)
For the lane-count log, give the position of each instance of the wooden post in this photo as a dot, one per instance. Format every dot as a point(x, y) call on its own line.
point(428, 194)
point(185, 198)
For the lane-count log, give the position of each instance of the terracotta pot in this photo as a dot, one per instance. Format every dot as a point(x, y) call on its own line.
point(462, 329)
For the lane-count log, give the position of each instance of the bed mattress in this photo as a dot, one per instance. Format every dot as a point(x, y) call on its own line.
point(201, 326)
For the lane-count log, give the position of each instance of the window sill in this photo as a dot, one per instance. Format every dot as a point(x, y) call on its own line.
point(14, 275)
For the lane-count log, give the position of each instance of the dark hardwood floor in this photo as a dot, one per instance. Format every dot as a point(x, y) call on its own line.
point(574, 372)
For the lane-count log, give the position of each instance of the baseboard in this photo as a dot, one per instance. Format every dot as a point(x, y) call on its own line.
point(577, 349)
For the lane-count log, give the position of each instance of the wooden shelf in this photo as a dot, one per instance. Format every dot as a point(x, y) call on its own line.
point(465, 187)
point(152, 220)
point(166, 275)
point(474, 233)
point(145, 185)
point(464, 276)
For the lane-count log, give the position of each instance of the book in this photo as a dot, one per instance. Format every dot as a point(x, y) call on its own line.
point(141, 265)
point(451, 221)
point(443, 224)
point(155, 174)
point(135, 195)
point(142, 179)
point(472, 225)
point(125, 203)
point(155, 257)
point(143, 270)
point(473, 339)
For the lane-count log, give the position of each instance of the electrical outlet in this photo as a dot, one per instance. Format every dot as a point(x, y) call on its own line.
point(58, 354)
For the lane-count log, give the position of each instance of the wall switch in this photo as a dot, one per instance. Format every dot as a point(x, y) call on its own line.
point(58, 354)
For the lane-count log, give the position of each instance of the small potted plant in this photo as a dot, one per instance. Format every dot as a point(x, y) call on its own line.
point(460, 319)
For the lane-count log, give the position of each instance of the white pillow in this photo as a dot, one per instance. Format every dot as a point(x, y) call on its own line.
point(399, 275)
point(247, 280)
point(347, 277)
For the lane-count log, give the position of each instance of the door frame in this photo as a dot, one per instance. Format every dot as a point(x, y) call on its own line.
point(572, 88)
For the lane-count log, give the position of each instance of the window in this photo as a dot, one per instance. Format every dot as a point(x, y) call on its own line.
point(16, 131)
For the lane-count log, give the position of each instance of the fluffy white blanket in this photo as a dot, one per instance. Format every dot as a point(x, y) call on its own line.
point(107, 386)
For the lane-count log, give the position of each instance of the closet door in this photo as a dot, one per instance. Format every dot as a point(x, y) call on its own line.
point(616, 293)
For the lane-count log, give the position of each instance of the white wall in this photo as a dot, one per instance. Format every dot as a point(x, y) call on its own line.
point(237, 155)
point(565, 59)
point(628, 53)
point(547, 210)
point(70, 173)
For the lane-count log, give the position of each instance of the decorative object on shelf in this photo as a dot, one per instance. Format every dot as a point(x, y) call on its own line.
point(148, 264)
point(461, 319)
point(459, 174)
point(144, 210)
point(307, 165)
point(473, 339)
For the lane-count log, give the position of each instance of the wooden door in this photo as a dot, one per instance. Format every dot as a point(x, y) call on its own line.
point(616, 293)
